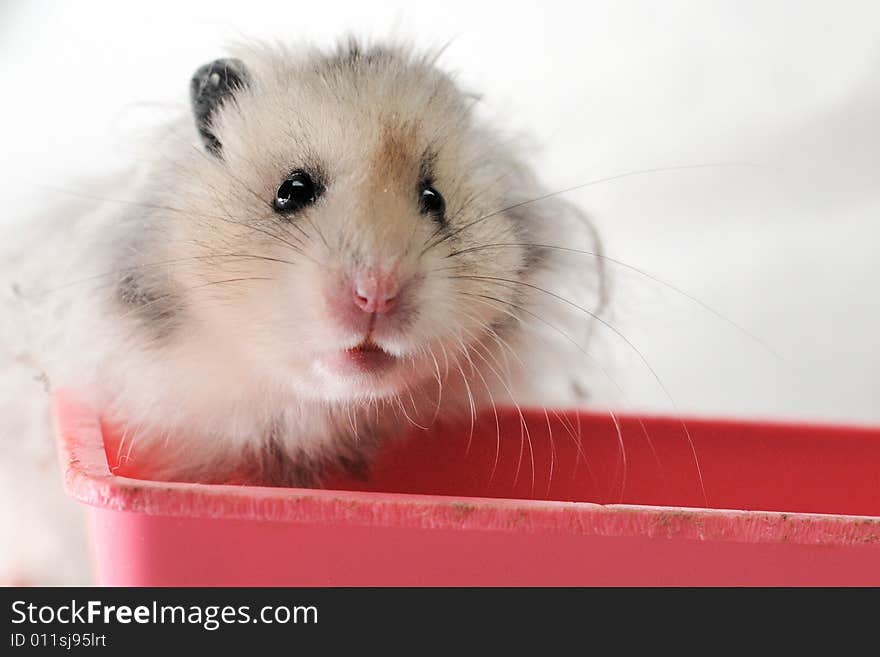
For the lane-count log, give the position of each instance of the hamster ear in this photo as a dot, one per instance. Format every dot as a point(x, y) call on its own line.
point(211, 86)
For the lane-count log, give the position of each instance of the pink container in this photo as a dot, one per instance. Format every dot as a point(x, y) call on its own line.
point(778, 505)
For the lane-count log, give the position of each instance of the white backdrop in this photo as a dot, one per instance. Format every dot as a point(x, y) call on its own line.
point(782, 239)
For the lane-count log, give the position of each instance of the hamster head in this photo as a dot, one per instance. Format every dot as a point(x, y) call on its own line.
point(321, 225)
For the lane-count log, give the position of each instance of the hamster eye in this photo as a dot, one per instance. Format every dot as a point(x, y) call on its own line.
point(432, 202)
point(298, 191)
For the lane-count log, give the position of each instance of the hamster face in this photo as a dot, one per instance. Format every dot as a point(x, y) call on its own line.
point(323, 225)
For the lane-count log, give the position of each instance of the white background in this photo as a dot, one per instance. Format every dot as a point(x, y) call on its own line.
point(782, 240)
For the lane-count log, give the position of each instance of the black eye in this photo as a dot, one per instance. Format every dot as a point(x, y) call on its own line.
point(298, 191)
point(432, 202)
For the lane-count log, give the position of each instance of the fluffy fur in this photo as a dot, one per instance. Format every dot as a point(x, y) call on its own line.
point(195, 317)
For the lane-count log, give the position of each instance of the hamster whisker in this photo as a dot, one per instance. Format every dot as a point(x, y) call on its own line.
point(577, 440)
point(504, 346)
point(319, 232)
point(163, 263)
point(445, 361)
point(459, 266)
point(525, 434)
point(617, 332)
point(138, 204)
point(471, 403)
point(475, 341)
point(225, 281)
point(589, 183)
point(223, 169)
point(497, 426)
point(406, 415)
point(352, 423)
point(584, 352)
point(297, 248)
point(639, 271)
point(504, 308)
point(408, 390)
point(507, 282)
point(622, 446)
point(524, 425)
point(552, 453)
point(176, 210)
point(439, 378)
point(473, 197)
point(622, 453)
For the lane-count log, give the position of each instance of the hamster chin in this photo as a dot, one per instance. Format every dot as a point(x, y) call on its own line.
point(361, 373)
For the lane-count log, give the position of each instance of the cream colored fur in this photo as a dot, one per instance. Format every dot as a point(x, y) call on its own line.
point(204, 373)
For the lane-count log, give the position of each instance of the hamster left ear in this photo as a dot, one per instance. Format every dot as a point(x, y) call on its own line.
point(211, 86)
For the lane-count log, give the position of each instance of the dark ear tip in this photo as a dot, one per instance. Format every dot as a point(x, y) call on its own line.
point(217, 76)
point(210, 85)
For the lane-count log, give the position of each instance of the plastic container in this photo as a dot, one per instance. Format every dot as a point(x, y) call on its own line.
point(778, 505)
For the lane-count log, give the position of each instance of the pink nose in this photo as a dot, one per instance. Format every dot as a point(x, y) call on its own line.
point(375, 291)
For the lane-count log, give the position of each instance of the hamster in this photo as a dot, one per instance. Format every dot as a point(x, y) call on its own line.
point(331, 247)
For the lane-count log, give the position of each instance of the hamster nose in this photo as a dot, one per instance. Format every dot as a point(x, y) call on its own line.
point(375, 291)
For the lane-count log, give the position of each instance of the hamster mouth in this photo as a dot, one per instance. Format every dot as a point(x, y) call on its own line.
point(364, 358)
point(369, 354)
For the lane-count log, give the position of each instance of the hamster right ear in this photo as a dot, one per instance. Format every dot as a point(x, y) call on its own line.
point(211, 86)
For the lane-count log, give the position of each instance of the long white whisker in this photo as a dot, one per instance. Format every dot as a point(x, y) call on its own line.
point(641, 356)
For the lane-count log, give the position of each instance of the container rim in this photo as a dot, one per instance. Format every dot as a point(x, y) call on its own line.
point(88, 479)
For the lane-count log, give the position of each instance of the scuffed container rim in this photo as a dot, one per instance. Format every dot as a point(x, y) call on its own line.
point(88, 479)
